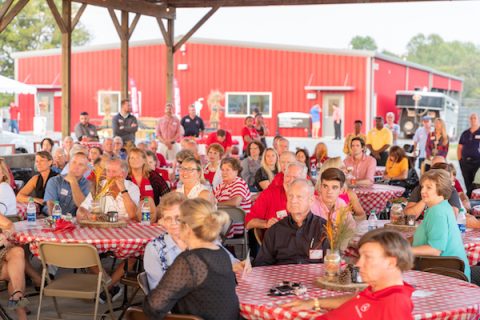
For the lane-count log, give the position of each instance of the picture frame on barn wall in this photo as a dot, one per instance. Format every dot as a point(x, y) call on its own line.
point(108, 102)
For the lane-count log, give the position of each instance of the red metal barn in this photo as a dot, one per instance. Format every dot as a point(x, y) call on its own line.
point(272, 78)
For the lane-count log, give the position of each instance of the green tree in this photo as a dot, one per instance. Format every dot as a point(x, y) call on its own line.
point(34, 28)
point(363, 43)
point(455, 57)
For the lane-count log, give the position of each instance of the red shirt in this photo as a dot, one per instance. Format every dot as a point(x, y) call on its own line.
point(208, 175)
point(212, 138)
point(145, 187)
point(277, 180)
point(458, 186)
point(390, 303)
point(272, 203)
point(249, 132)
point(14, 111)
point(161, 161)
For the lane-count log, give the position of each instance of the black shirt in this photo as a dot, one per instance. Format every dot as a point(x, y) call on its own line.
point(261, 175)
point(191, 126)
point(200, 282)
point(471, 144)
point(286, 243)
point(454, 200)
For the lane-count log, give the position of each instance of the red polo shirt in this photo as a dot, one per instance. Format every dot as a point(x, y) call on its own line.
point(145, 187)
point(390, 303)
point(272, 203)
point(212, 138)
point(249, 132)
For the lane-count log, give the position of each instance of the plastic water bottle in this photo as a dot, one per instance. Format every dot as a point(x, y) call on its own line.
point(462, 222)
point(145, 212)
point(31, 212)
point(313, 170)
point(56, 212)
point(372, 221)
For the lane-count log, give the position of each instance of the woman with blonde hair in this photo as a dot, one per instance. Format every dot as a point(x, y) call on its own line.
point(269, 167)
point(191, 178)
point(349, 196)
point(437, 141)
point(150, 183)
point(320, 155)
point(200, 281)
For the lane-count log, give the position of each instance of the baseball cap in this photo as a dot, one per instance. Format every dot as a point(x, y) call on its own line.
point(426, 118)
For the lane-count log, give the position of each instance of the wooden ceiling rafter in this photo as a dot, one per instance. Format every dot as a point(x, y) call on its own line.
point(7, 12)
point(146, 8)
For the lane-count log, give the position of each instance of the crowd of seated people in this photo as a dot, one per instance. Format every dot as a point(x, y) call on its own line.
point(188, 269)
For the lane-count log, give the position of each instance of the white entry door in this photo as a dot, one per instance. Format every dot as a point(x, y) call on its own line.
point(45, 108)
point(328, 101)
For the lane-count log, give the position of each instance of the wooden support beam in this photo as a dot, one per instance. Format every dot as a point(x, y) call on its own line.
point(134, 24)
point(116, 23)
point(8, 16)
point(195, 28)
point(125, 30)
point(58, 18)
point(170, 69)
point(5, 8)
point(166, 39)
point(66, 66)
point(78, 15)
point(159, 10)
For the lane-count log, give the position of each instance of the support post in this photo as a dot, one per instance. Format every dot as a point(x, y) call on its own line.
point(170, 51)
point(66, 67)
point(124, 55)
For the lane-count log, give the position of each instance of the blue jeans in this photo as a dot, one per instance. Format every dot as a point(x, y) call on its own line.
point(14, 126)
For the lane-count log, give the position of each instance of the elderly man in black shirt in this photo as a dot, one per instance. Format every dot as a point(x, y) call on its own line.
point(298, 238)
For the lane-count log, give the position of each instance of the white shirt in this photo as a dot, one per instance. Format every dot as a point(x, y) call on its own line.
point(420, 138)
point(195, 192)
point(8, 202)
point(116, 204)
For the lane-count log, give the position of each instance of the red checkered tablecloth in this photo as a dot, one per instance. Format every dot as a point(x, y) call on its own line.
point(472, 246)
point(91, 144)
point(376, 196)
point(124, 242)
point(379, 171)
point(476, 211)
point(451, 298)
point(22, 210)
point(475, 194)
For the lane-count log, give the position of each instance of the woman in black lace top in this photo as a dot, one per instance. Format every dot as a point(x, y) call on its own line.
point(200, 281)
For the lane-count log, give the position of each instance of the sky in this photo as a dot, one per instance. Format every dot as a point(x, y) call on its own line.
point(392, 25)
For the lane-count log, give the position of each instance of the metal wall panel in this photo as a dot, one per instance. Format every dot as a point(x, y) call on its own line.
point(227, 68)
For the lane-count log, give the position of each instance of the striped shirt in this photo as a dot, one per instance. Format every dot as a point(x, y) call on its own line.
point(238, 187)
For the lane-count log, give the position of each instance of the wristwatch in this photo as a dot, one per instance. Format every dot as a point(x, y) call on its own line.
point(124, 191)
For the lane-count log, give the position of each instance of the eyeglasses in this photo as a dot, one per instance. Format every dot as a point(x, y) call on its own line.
point(188, 169)
point(171, 220)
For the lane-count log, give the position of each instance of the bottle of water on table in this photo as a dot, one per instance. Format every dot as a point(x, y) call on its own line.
point(372, 221)
point(145, 212)
point(31, 212)
point(56, 212)
point(462, 222)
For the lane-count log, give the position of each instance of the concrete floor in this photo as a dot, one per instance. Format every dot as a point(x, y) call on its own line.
point(66, 305)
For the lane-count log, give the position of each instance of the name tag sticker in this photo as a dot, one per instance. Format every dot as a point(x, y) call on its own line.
point(148, 188)
point(477, 136)
point(316, 254)
point(281, 214)
point(64, 192)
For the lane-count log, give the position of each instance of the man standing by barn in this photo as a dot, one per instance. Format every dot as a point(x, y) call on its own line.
point(192, 124)
point(468, 152)
point(125, 124)
point(169, 133)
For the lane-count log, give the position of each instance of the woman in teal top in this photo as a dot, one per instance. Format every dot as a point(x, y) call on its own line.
point(438, 235)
